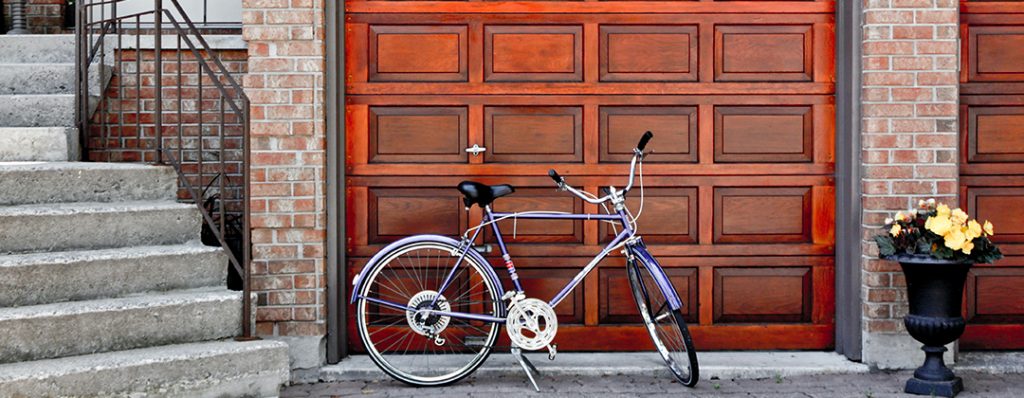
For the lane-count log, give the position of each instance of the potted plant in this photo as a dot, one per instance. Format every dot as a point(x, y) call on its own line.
point(935, 247)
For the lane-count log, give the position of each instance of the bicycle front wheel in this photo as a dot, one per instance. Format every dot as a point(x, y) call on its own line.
point(666, 326)
point(413, 346)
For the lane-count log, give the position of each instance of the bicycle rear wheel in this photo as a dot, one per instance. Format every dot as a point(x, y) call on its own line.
point(666, 326)
point(426, 350)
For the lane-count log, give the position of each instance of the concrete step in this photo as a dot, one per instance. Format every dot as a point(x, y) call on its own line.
point(90, 225)
point(19, 49)
point(37, 78)
point(43, 144)
point(42, 278)
point(88, 327)
point(62, 182)
point(211, 369)
point(37, 110)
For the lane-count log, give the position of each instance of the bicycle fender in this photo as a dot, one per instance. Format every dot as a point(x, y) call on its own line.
point(640, 251)
point(357, 284)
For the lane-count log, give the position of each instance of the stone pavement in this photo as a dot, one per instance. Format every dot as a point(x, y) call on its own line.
point(865, 385)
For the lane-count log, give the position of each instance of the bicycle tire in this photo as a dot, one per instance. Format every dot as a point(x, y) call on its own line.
point(388, 365)
point(679, 345)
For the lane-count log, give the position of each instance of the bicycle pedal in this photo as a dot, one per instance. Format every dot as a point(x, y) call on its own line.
point(552, 351)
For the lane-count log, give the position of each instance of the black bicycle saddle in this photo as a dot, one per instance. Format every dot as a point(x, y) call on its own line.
point(482, 194)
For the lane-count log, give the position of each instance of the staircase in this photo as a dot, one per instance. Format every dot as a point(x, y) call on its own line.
point(105, 289)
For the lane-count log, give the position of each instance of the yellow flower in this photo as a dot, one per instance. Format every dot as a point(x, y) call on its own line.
point(938, 224)
point(943, 210)
point(955, 239)
point(958, 217)
point(989, 229)
point(973, 230)
point(968, 246)
point(899, 216)
point(895, 231)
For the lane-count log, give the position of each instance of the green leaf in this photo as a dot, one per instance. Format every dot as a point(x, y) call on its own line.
point(886, 246)
point(924, 246)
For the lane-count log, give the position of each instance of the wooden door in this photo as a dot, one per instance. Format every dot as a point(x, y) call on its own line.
point(992, 166)
point(739, 198)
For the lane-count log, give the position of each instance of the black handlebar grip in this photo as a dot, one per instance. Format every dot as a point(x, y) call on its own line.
point(554, 176)
point(643, 141)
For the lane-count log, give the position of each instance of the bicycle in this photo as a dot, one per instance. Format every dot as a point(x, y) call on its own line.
point(433, 297)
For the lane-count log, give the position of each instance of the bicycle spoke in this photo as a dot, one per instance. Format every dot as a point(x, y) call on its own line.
point(407, 345)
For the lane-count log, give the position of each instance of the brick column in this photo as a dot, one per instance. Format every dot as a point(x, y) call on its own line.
point(910, 97)
point(285, 84)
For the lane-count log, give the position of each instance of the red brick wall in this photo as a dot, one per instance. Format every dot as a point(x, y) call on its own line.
point(910, 95)
point(285, 84)
point(125, 131)
point(44, 16)
point(123, 126)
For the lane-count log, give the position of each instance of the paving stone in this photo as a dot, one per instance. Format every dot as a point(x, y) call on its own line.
point(866, 385)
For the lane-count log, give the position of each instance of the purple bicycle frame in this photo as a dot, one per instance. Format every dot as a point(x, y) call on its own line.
point(637, 248)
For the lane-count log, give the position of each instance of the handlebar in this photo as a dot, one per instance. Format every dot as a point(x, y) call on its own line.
point(643, 141)
point(554, 176)
point(638, 154)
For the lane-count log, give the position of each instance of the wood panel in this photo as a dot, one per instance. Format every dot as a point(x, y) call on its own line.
point(619, 307)
point(625, 53)
point(669, 216)
point(762, 215)
point(764, 53)
point(417, 134)
point(996, 53)
point(397, 213)
point(992, 166)
point(542, 278)
point(767, 134)
point(418, 53)
point(738, 179)
point(1004, 206)
point(762, 294)
point(533, 53)
point(995, 295)
point(995, 134)
point(533, 134)
point(514, 230)
point(675, 126)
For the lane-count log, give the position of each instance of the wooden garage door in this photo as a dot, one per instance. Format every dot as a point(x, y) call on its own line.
point(740, 198)
point(992, 166)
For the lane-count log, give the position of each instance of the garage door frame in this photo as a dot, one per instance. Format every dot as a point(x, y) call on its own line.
point(848, 211)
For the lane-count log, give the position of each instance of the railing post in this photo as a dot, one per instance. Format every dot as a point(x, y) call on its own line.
point(158, 108)
point(19, 21)
point(247, 314)
point(81, 80)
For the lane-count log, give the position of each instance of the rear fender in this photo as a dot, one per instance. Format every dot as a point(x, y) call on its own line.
point(359, 280)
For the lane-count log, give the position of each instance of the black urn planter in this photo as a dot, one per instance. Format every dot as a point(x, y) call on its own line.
point(935, 293)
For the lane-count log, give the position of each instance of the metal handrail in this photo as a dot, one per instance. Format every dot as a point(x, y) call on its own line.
point(94, 30)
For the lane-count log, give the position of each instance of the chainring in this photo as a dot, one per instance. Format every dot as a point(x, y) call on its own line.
point(531, 324)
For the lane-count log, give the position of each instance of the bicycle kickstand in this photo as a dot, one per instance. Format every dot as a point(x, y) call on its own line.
point(527, 366)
